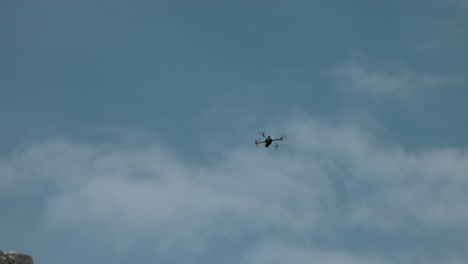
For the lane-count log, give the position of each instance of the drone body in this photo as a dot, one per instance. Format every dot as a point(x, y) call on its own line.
point(268, 141)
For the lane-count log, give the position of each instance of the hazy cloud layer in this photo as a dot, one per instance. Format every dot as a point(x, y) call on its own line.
point(331, 194)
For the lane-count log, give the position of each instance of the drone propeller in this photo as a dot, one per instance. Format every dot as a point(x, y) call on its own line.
point(256, 143)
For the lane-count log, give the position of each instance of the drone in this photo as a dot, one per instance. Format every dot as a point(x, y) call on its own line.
point(268, 141)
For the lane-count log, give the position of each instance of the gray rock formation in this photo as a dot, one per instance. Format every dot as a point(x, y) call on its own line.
point(15, 258)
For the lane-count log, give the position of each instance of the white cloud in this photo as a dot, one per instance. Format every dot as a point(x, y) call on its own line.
point(273, 253)
point(461, 3)
point(386, 183)
point(402, 84)
point(327, 181)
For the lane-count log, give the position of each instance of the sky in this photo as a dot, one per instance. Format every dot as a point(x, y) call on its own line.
point(127, 131)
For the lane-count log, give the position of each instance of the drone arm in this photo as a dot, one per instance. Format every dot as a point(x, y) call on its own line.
point(258, 142)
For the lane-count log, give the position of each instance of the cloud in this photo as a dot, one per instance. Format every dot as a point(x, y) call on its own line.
point(333, 194)
point(462, 3)
point(403, 84)
point(277, 253)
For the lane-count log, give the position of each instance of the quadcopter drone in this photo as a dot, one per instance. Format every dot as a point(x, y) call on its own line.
point(268, 141)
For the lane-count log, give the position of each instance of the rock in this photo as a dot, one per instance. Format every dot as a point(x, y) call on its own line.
point(15, 258)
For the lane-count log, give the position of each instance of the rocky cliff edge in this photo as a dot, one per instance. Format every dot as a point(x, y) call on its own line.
point(15, 258)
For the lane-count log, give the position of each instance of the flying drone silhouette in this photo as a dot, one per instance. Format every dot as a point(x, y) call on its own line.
point(268, 141)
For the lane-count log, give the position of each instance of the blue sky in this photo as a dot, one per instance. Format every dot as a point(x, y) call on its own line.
point(127, 129)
